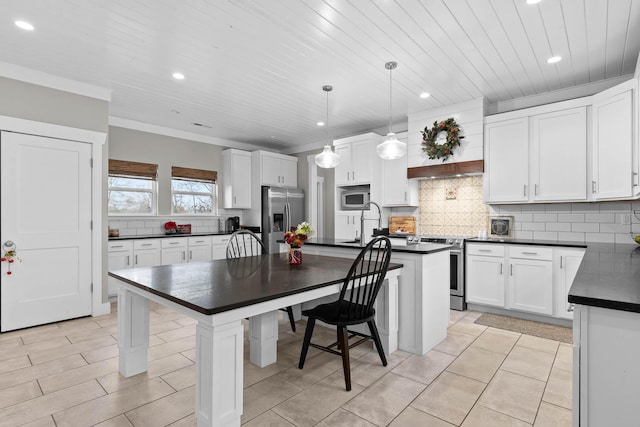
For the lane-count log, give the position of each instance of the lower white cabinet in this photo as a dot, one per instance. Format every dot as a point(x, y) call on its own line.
point(174, 250)
point(146, 252)
point(199, 248)
point(219, 247)
point(565, 266)
point(530, 278)
point(120, 257)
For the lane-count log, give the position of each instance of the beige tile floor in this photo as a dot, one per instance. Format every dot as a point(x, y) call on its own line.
point(66, 374)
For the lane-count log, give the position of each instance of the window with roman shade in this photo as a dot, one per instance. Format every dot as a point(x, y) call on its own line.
point(132, 188)
point(193, 191)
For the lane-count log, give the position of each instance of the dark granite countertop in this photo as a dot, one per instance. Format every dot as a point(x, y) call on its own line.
point(215, 286)
point(421, 248)
point(528, 242)
point(162, 236)
point(609, 277)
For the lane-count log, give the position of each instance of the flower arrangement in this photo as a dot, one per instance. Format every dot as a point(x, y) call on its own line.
point(170, 227)
point(297, 235)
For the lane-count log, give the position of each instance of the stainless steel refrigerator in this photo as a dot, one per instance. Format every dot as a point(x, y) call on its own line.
point(282, 208)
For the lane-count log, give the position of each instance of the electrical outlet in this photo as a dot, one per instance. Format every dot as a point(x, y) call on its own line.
point(624, 218)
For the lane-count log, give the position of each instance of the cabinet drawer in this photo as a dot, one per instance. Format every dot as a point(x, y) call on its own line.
point(531, 252)
point(485, 249)
point(179, 242)
point(200, 241)
point(120, 245)
point(220, 240)
point(146, 244)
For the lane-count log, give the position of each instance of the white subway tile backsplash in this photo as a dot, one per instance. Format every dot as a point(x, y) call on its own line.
point(601, 237)
point(523, 235)
point(585, 207)
point(558, 226)
point(624, 238)
point(523, 217)
point(545, 235)
point(144, 231)
point(509, 209)
point(533, 208)
point(571, 236)
point(533, 226)
point(615, 228)
point(615, 206)
point(545, 217)
point(570, 217)
point(558, 207)
point(132, 226)
point(586, 227)
point(599, 217)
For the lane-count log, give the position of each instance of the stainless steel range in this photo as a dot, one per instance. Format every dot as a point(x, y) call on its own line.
point(456, 265)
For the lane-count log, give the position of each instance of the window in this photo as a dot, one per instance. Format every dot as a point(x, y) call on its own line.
point(132, 188)
point(193, 191)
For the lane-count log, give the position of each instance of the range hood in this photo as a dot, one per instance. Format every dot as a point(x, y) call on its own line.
point(446, 170)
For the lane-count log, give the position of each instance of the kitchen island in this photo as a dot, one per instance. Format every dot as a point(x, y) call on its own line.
point(606, 336)
point(423, 290)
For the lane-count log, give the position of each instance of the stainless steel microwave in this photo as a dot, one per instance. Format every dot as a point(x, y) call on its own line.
point(354, 198)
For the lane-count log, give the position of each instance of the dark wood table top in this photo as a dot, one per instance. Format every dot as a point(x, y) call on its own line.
point(215, 286)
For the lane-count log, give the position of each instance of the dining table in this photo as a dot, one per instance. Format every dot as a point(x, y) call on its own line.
point(219, 294)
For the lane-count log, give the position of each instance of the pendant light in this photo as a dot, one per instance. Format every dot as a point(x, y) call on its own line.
point(391, 148)
point(327, 159)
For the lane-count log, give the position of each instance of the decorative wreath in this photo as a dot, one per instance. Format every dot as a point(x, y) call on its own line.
point(441, 151)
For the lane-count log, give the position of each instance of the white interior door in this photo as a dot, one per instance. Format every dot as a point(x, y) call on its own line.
point(46, 212)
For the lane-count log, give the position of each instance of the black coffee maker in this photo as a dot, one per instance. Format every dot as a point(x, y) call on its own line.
point(233, 223)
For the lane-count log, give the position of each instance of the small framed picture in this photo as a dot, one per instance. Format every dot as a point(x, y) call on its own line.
point(500, 227)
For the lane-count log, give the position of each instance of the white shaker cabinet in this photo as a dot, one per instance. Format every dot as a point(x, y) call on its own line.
point(174, 250)
point(199, 248)
point(614, 173)
point(530, 280)
point(566, 262)
point(219, 246)
point(120, 257)
point(146, 253)
point(356, 159)
point(236, 179)
point(397, 189)
point(506, 161)
point(559, 155)
point(485, 278)
point(275, 169)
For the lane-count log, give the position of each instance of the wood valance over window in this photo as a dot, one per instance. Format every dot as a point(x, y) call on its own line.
point(137, 169)
point(195, 174)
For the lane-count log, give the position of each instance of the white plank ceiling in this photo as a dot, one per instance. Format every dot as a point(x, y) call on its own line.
point(255, 68)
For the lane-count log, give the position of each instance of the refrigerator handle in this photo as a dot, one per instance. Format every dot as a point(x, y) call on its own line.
point(287, 218)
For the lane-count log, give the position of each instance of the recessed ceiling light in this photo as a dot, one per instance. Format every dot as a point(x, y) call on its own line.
point(178, 76)
point(425, 95)
point(24, 25)
point(554, 59)
point(533, 1)
point(320, 123)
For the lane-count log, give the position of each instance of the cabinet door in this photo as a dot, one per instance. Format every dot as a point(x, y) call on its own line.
point(613, 144)
point(397, 190)
point(173, 255)
point(241, 182)
point(559, 155)
point(361, 160)
point(271, 171)
point(289, 173)
point(117, 260)
point(199, 253)
point(344, 169)
point(565, 265)
point(485, 280)
point(219, 247)
point(507, 161)
point(346, 225)
point(146, 257)
point(531, 286)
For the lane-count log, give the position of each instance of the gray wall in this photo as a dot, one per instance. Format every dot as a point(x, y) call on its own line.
point(329, 183)
point(165, 151)
point(38, 103)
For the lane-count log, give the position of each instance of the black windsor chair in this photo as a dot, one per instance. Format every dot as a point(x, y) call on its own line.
point(354, 306)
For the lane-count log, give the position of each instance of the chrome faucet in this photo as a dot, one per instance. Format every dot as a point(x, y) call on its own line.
point(362, 219)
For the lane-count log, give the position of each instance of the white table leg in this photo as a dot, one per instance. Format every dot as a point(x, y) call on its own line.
point(219, 363)
point(263, 339)
point(387, 313)
point(133, 332)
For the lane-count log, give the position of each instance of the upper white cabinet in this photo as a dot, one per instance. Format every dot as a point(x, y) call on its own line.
point(397, 190)
point(236, 179)
point(537, 155)
point(275, 169)
point(615, 173)
point(506, 160)
point(356, 159)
